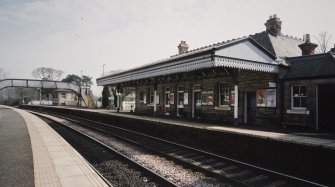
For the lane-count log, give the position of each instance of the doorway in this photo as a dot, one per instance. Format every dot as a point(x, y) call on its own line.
point(325, 107)
point(250, 108)
point(197, 104)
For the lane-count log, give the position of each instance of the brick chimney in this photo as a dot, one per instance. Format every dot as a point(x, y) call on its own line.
point(308, 47)
point(273, 25)
point(182, 47)
point(333, 49)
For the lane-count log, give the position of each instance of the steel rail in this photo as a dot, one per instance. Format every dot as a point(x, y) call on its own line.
point(160, 179)
point(278, 175)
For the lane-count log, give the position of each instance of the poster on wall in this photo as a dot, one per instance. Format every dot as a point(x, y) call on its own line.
point(266, 97)
point(185, 98)
point(210, 96)
point(232, 98)
point(171, 98)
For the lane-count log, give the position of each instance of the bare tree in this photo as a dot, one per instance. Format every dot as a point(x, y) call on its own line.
point(45, 73)
point(323, 41)
point(3, 74)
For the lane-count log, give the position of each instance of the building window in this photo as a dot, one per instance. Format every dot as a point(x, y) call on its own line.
point(299, 97)
point(151, 96)
point(167, 97)
point(223, 94)
point(180, 96)
point(207, 97)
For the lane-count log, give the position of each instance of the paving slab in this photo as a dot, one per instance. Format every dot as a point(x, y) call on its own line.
point(53, 162)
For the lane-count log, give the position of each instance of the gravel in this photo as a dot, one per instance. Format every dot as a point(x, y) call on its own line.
point(115, 171)
point(160, 165)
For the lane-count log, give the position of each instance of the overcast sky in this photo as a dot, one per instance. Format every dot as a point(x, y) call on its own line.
point(82, 35)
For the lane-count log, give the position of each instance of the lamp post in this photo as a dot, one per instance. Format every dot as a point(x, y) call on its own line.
point(103, 69)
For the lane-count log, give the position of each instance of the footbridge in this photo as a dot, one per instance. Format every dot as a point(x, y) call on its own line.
point(30, 83)
point(85, 93)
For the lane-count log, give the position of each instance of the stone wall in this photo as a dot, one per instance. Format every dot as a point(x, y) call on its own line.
point(296, 117)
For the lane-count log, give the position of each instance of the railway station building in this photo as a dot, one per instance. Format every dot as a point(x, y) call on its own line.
point(255, 79)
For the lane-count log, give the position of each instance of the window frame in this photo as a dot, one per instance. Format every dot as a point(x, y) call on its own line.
point(299, 96)
point(228, 92)
point(151, 96)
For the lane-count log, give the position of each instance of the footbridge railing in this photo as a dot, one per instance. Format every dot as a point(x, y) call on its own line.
point(30, 83)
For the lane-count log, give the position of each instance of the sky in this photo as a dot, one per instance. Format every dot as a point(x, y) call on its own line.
point(80, 36)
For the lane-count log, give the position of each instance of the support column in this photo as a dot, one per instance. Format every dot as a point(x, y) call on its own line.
point(117, 101)
point(155, 107)
point(236, 106)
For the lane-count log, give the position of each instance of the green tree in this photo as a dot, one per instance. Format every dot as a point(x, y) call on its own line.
point(105, 95)
point(75, 79)
point(86, 81)
point(81, 81)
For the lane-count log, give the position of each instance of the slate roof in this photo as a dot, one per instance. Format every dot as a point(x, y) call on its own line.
point(280, 46)
point(307, 67)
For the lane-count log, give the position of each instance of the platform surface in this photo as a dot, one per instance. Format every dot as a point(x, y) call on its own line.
point(16, 157)
point(314, 139)
point(44, 157)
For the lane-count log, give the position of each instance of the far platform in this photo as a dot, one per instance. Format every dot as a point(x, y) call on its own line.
point(325, 140)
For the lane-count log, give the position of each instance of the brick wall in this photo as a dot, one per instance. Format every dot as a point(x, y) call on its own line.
point(249, 82)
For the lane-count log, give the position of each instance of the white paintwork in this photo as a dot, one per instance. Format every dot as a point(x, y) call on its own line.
point(245, 51)
point(236, 102)
point(243, 64)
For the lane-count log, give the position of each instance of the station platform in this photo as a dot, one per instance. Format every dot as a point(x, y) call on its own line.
point(33, 154)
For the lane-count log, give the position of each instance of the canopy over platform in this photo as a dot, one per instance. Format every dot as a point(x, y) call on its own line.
point(244, 53)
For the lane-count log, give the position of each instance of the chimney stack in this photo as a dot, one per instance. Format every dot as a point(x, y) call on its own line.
point(273, 25)
point(182, 47)
point(307, 48)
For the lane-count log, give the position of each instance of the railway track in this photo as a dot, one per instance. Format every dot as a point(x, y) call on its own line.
point(232, 171)
point(108, 159)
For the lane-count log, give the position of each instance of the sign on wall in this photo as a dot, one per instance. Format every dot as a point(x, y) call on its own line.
point(185, 98)
point(266, 97)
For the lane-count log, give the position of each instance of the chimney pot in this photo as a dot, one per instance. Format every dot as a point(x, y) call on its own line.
point(308, 39)
point(182, 47)
point(307, 48)
point(273, 25)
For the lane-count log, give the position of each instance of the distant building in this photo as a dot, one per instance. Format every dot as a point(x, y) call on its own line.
point(63, 97)
point(258, 79)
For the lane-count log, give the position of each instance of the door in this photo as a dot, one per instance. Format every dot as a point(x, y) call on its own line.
point(251, 107)
point(326, 103)
point(197, 104)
